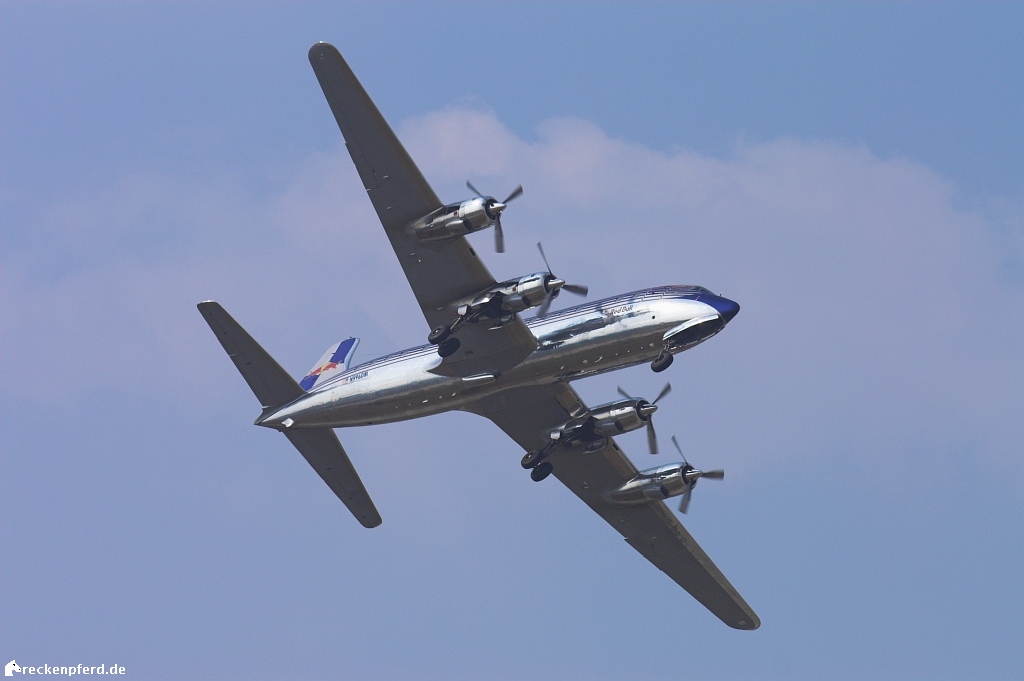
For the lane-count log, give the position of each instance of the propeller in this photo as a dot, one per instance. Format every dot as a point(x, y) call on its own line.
point(691, 475)
point(496, 207)
point(555, 285)
point(647, 409)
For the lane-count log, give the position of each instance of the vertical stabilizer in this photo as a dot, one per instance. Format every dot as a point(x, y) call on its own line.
point(335, 361)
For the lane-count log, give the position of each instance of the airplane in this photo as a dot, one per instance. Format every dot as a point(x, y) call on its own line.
point(483, 357)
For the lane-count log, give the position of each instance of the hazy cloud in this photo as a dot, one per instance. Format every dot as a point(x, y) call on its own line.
point(876, 311)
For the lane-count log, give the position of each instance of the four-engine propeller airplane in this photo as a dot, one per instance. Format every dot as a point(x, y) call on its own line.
point(483, 357)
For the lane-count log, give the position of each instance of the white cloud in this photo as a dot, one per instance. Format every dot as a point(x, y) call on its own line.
point(876, 312)
point(872, 308)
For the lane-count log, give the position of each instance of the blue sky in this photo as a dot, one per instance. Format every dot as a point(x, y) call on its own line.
point(851, 174)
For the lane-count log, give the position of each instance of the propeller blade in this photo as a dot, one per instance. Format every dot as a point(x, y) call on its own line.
point(499, 236)
point(685, 503)
point(516, 193)
point(577, 289)
point(652, 438)
point(625, 394)
point(474, 189)
point(691, 476)
point(680, 450)
point(664, 391)
point(541, 249)
point(544, 306)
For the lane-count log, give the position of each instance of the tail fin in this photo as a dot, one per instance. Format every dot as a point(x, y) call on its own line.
point(335, 361)
point(274, 388)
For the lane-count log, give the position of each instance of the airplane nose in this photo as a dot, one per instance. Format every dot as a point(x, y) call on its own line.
point(727, 308)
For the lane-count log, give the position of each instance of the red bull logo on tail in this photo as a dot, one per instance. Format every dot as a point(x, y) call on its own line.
point(336, 360)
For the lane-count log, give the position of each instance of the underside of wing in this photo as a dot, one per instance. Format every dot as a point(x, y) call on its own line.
point(529, 414)
point(654, 531)
point(439, 272)
point(380, 158)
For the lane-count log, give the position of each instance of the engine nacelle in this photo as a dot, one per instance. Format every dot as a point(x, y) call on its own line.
point(457, 219)
point(604, 421)
point(477, 212)
point(619, 417)
point(514, 295)
point(527, 292)
point(653, 484)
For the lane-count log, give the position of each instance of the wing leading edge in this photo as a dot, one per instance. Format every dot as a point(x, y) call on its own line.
point(528, 414)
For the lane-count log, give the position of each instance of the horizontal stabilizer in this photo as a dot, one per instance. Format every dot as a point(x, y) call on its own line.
point(274, 388)
point(271, 384)
point(320, 447)
point(335, 361)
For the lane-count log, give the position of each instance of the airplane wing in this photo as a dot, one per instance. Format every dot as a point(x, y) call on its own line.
point(527, 414)
point(438, 272)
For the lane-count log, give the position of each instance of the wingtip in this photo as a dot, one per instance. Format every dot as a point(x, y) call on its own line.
point(320, 48)
point(746, 625)
point(370, 523)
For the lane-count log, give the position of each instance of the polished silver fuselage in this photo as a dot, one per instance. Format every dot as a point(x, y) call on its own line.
point(574, 343)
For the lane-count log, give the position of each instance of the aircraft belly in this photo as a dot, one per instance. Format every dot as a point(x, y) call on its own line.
point(388, 397)
point(408, 389)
